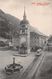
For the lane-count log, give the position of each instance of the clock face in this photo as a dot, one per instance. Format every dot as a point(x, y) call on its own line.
point(22, 40)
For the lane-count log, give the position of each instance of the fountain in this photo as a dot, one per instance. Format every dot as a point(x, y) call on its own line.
point(14, 67)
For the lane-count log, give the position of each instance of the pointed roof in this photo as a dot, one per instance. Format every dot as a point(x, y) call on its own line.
point(24, 16)
point(24, 21)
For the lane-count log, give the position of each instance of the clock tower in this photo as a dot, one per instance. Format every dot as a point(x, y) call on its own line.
point(24, 36)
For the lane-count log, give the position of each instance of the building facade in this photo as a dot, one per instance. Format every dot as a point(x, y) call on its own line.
point(48, 44)
point(37, 40)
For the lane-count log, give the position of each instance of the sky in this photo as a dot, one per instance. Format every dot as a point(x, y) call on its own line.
point(38, 12)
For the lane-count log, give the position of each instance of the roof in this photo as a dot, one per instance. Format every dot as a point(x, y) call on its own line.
point(50, 38)
point(32, 29)
point(24, 22)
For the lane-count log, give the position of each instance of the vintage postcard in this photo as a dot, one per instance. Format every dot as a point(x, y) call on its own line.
point(25, 39)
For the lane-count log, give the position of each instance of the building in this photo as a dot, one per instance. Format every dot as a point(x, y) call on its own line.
point(24, 35)
point(48, 44)
point(27, 38)
point(37, 39)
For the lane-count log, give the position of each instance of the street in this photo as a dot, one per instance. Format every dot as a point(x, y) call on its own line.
point(28, 74)
point(6, 57)
point(45, 69)
point(33, 68)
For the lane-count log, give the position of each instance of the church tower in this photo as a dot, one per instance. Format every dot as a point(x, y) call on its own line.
point(24, 35)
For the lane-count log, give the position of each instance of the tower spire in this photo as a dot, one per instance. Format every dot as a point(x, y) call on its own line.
point(24, 16)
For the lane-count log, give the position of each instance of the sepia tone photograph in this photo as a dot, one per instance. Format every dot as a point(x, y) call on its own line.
point(25, 39)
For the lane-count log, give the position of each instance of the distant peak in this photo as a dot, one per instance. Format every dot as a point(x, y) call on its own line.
point(1, 11)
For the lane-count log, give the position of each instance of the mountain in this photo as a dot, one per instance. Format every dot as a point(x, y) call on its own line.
point(9, 18)
point(13, 20)
point(8, 24)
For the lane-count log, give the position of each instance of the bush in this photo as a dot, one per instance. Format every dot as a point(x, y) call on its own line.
point(2, 44)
